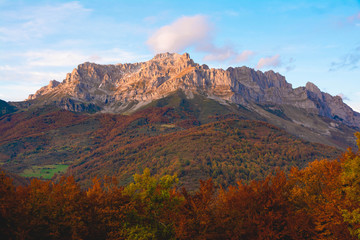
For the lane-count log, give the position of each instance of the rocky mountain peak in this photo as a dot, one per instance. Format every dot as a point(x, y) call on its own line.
point(313, 88)
point(53, 83)
point(173, 59)
point(114, 88)
point(45, 90)
point(168, 55)
point(277, 80)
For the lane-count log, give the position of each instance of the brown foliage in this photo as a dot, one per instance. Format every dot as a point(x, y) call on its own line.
point(306, 204)
point(303, 204)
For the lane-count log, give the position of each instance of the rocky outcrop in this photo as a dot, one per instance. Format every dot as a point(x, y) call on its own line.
point(113, 88)
point(45, 90)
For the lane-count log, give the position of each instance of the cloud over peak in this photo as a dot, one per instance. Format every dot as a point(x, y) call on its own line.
point(184, 32)
point(194, 32)
point(225, 53)
point(273, 61)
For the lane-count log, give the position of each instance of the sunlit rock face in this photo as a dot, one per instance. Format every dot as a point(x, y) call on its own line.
point(111, 88)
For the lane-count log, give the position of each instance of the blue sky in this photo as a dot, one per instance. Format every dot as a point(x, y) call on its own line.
point(316, 41)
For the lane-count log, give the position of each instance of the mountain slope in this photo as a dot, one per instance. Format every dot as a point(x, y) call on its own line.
point(298, 122)
point(196, 138)
point(228, 150)
point(6, 108)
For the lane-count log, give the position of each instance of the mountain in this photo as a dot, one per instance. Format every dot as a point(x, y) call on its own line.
point(305, 112)
point(173, 116)
point(112, 88)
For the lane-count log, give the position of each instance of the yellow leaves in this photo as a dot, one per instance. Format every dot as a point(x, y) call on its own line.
point(350, 179)
point(357, 135)
point(145, 185)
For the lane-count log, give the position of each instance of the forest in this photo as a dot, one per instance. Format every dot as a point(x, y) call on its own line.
point(46, 143)
point(320, 201)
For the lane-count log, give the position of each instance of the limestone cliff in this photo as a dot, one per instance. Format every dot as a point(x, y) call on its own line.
point(116, 88)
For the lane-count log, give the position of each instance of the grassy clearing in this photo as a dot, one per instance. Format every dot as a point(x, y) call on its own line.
point(46, 171)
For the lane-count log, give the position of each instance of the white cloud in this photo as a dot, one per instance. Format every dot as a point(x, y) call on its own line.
point(38, 21)
point(117, 55)
point(219, 54)
point(39, 67)
point(17, 92)
point(22, 75)
point(194, 32)
point(64, 58)
point(7, 68)
point(244, 56)
point(184, 32)
point(226, 53)
point(54, 58)
point(273, 61)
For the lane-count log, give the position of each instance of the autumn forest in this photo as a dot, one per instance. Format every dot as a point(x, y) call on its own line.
point(176, 169)
point(320, 201)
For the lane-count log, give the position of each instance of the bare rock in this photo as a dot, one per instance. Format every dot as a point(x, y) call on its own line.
point(107, 86)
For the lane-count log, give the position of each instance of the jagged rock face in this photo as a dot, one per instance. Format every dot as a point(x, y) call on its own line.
point(45, 90)
point(113, 87)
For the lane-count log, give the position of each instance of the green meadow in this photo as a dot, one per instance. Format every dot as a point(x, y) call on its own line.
point(45, 171)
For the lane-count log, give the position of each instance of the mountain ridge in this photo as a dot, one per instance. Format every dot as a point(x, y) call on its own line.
point(126, 87)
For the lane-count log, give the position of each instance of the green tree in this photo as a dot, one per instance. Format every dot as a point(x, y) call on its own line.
point(351, 186)
point(157, 203)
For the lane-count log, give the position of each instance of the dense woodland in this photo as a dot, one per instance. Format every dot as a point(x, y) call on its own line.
point(193, 144)
point(321, 201)
point(226, 150)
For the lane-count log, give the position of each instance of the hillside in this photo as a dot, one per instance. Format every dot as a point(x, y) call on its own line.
point(227, 150)
point(6, 108)
point(195, 139)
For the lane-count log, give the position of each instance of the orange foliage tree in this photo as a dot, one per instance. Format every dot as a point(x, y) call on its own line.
point(320, 201)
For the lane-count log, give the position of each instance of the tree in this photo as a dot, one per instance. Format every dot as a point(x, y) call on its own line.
point(51, 210)
point(8, 207)
point(197, 217)
point(156, 202)
point(316, 193)
point(350, 178)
